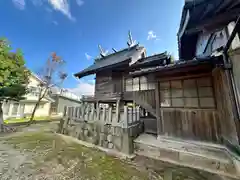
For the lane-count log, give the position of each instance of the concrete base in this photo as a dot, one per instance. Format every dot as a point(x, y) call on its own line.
point(203, 156)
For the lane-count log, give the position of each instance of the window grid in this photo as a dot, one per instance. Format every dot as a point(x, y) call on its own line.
point(135, 84)
point(168, 87)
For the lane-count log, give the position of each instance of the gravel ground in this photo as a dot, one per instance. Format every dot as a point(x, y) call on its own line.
point(36, 153)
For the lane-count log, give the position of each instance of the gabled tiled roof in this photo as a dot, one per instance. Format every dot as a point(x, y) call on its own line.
point(154, 60)
point(125, 55)
point(199, 15)
point(176, 65)
point(201, 10)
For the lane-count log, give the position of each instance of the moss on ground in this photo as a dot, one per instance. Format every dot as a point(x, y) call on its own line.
point(26, 119)
point(77, 160)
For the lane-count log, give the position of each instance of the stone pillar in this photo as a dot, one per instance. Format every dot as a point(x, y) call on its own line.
point(168, 174)
point(10, 109)
point(18, 110)
point(127, 141)
point(4, 107)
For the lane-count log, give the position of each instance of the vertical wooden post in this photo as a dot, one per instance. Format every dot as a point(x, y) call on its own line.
point(76, 112)
point(73, 114)
point(79, 113)
point(65, 111)
point(66, 120)
point(158, 113)
point(110, 115)
point(98, 112)
point(88, 112)
point(68, 111)
point(104, 115)
point(138, 114)
point(125, 119)
point(91, 113)
point(117, 110)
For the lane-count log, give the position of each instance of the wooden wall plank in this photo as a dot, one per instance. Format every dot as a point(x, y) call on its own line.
point(191, 124)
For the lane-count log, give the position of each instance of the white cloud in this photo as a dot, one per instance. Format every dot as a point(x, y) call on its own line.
point(88, 56)
point(58, 5)
point(63, 7)
point(152, 35)
point(84, 88)
point(79, 2)
point(20, 4)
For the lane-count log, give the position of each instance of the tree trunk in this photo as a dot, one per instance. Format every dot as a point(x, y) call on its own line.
point(41, 96)
point(34, 110)
point(1, 118)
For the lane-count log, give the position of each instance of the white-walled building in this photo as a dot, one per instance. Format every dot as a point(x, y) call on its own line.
point(26, 106)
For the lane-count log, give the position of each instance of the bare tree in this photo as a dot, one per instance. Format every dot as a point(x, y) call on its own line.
point(51, 75)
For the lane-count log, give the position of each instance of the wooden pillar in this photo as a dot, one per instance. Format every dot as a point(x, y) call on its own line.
point(118, 111)
point(125, 121)
point(98, 112)
point(109, 121)
point(158, 113)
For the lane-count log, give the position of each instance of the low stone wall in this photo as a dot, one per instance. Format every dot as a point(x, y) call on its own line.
point(105, 135)
point(112, 128)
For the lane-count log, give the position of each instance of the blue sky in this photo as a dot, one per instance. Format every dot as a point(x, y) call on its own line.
point(74, 28)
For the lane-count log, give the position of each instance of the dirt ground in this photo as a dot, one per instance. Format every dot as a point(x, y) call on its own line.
point(37, 153)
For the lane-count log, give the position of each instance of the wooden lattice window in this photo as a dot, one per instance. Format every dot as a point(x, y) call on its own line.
point(139, 84)
point(129, 84)
point(188, 93)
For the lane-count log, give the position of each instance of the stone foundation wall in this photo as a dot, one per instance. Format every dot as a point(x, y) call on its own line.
point(105, 135)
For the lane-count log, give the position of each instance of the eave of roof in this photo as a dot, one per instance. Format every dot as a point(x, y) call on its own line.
point(186, 7)
point(176, 65)
point(203, 10)
point(154, 60)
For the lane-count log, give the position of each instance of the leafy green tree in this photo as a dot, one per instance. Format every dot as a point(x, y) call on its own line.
point(13, 76)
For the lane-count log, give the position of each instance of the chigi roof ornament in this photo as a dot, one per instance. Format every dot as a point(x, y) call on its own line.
point(130, 42)
point(114, 50)
point(103, 53)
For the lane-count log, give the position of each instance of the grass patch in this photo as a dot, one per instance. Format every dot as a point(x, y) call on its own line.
point(24, 120)
point(77, 160)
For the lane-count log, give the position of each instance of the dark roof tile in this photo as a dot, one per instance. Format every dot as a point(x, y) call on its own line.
point(112, 59)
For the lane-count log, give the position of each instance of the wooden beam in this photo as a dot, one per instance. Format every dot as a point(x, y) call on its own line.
point(158, 113)
point(221, 19)
point(185, 77)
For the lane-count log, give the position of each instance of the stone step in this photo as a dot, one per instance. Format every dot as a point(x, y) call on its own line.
point(176, 153)
point(210, 149)
point(193, 147)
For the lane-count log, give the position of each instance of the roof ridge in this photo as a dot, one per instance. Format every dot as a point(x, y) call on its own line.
point(109, 55)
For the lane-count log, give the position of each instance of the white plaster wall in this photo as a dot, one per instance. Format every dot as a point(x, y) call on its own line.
point(43, 109)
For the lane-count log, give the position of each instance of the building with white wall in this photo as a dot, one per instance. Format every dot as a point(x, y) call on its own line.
point(25, 107)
